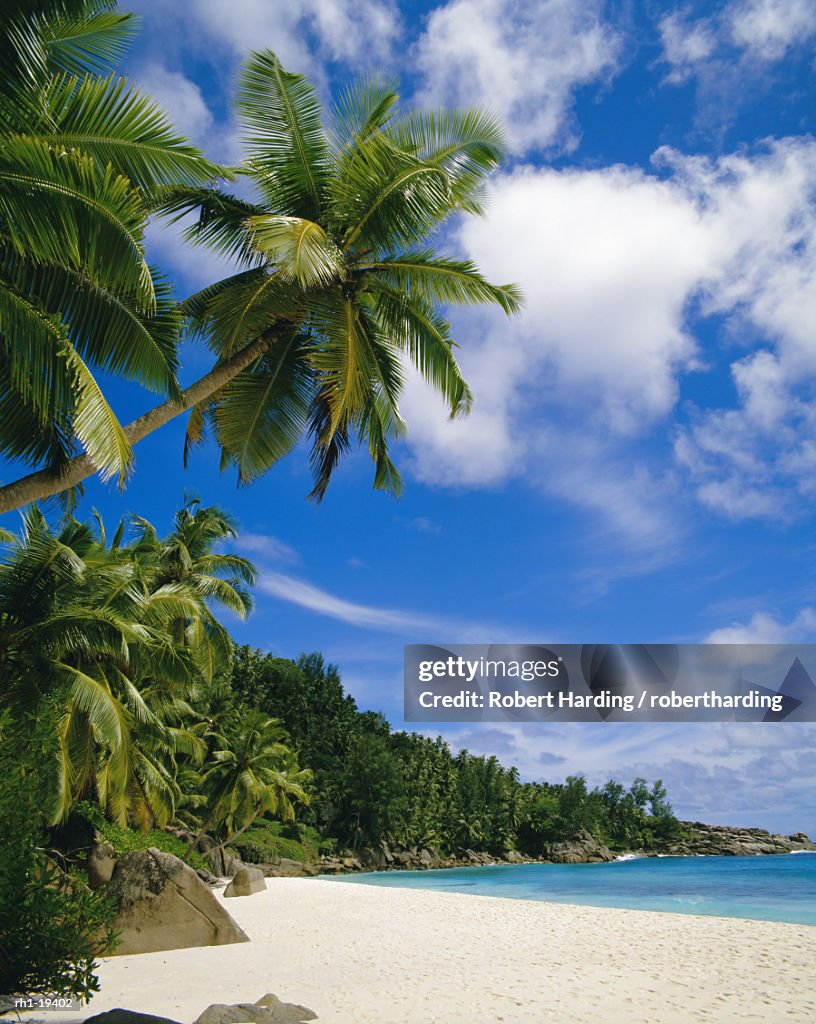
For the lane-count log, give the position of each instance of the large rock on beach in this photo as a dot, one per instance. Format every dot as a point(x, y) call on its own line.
point(246, 882)
point(163, 904)
point(268, 1010)
point(100, 864)
point(119, 1016)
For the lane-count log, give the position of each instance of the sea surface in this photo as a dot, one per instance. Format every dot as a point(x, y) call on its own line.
point(775, 888)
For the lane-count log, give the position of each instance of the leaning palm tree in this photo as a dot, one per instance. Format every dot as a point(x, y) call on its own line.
point(82, 154)
point(338, 288)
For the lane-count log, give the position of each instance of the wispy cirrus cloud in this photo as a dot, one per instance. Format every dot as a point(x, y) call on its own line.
point(766, 628)
point(732, 52)
point(391, 620)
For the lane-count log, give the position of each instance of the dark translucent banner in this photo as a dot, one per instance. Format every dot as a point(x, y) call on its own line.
point(610, 682)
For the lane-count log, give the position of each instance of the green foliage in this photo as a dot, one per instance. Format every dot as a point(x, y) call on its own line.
point(336, 277)
point(51, 925)
point(120, 638)
point(268, 841)
point(372, 785)
point(81, 154)
point(126, 840)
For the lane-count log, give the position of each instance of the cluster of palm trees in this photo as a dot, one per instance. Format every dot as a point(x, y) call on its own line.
point(337, 293)
point(114, 641)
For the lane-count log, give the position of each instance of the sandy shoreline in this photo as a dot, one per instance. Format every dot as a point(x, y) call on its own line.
point(366, 955)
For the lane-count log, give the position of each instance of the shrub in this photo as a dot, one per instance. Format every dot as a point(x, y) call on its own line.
point(52, 926)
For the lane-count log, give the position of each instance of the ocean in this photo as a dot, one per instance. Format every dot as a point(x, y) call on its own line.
point(777, 888)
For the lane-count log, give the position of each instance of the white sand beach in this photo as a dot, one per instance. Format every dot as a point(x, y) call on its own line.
point(360, 954)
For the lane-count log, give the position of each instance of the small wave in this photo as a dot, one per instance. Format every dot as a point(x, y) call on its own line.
point(627, 856)
point(795, 853)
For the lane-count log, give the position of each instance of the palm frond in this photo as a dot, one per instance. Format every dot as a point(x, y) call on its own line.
point(262, 414)
point(114, 123)
point(301, 250)
point(280, 113)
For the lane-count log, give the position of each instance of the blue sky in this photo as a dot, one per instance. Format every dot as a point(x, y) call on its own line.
point(639, 465)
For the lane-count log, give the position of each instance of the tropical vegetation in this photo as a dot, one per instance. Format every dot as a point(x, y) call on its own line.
point(126, 703)
point(83, 154)
point(338, 290)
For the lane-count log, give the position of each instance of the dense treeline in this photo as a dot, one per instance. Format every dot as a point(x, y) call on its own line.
point(156, 729)
point(373, 785)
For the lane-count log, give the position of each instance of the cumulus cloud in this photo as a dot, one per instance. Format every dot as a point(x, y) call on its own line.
point(303, 34)
point(179, 97)
point(525, 63)
point(736, 42)
point(618, 264)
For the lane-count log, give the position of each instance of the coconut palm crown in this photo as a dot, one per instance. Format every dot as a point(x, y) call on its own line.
point(338, 289)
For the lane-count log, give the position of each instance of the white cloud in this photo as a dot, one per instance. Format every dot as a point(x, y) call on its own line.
point(745, 34)
point(390, 620)
point(764, 628)
point(179, 97)
point(302, 34)
point(264, 545)
point(524, 63)
point(617, 265)
point(769, 28)
point(686, 44)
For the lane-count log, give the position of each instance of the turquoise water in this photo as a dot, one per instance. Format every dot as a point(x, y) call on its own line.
point(781, 888)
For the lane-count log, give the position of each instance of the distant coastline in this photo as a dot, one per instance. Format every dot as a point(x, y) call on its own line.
point(697, 839)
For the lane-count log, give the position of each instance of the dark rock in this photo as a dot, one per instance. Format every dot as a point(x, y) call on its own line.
point(207, 876)
point(119, 1016)
point(728, 841)
point(583, 849)
point(246, 882)
point(268, 1010)
point(100, 864)
point(163, 904)
point(286, 868)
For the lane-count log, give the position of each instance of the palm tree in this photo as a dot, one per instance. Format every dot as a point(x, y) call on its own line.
point(82, 155)
point(251, 772)
point(338, 287)
point(186, 558)
point(92, 629)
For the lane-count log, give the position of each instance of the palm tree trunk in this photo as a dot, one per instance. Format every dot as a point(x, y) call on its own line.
point(44, 483)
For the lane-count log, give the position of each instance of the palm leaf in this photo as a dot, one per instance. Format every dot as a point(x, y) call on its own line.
point(437, 279)
point(282, 130)
point(116, 124)
point(261, 414)
point(60, 208)
point(300, 249)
